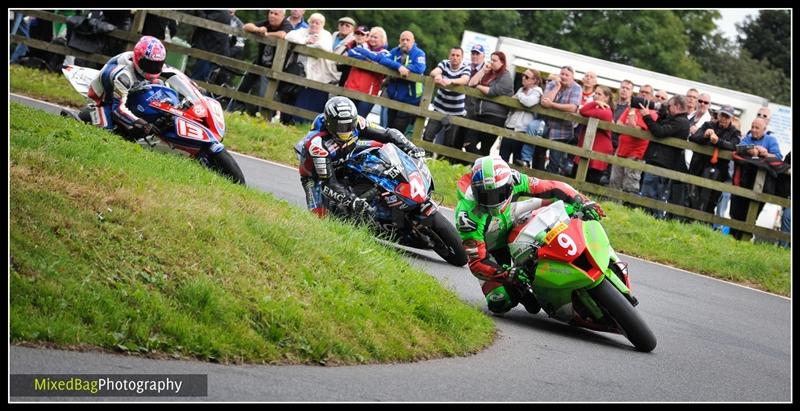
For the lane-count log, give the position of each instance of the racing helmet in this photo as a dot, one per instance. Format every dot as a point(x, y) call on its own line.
point(148, 57)
point(492, 185)
point(341, 118)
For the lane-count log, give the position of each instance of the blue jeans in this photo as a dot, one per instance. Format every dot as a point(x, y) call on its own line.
point(724, 200)
point(786, 225)
point(250, 83)
point(558, 163)
point(19, 25)
point(201, 70)
point(384, 117)
point(655, 187)
point(363, 108)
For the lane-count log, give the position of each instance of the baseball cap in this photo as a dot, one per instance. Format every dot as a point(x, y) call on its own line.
point(727, 110)
point(362, 29)
point(478, 48)
point(347, 20)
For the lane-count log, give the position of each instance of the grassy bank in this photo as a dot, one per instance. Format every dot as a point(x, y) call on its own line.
point(122, 248)
point(694, 247)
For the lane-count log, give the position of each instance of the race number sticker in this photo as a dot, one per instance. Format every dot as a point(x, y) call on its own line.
point(567, 242)
point(554, 232)
point(190, 130)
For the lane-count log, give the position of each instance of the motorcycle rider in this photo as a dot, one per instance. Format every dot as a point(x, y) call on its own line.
point(485, 216)
point(121, 73)
point(335, 133)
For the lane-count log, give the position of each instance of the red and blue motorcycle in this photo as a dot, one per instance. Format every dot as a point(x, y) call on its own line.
point(187, 122)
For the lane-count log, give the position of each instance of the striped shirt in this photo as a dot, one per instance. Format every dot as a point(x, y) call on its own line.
point(447, 101)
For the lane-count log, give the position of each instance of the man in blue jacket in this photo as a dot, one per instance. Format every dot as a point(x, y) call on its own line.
point(405, 58)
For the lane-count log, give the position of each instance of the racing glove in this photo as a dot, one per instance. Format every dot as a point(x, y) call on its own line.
point(517, 276)
point(592, 210)
point(361, 207)
point(416, 152)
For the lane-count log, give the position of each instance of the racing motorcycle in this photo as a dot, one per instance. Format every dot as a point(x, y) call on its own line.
point(578, 277)
point(187, 122)
point(399, 187)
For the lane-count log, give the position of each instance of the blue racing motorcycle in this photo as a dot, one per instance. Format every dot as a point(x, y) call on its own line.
point(398, 187)
point(187, 122)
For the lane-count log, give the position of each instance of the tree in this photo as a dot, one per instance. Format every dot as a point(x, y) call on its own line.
point(768, 37)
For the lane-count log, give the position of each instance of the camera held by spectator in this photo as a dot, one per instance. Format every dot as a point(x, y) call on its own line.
point(637, 102)
point(743, 149)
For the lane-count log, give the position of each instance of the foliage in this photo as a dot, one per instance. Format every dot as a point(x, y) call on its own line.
point(768, 37)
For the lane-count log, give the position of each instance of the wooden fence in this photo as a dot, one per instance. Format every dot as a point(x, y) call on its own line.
point(422, 112)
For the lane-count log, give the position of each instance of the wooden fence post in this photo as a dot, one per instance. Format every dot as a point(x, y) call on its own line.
point(588, 142)
point(424, 102)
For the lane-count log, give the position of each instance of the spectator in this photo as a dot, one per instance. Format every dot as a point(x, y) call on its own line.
point(783, 188)
point(451, 71)
point(691, 102)
point(588, 83)
point(766, 148)
point(222, 75)
point(20, 24)
point(600, 108)
point(671, 122)
point(722, 135)
point(275, 25)
point(343, 40)
point(661, 97)
point(159, 27)
point(362, 80)
point(646, 92)
point(529, 95)
point(701, 115)
point(562, 94)
point(625, 94)
point(210, 41)
point(476, 64)
point(405, 58)
point(296, 19)
point(493, 80)
point(630, 147)
point(624, 102)
point(317, 37)
point(236, 43)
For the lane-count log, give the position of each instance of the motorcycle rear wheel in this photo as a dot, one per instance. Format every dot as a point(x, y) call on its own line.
point(623, 312)
point(447, 241)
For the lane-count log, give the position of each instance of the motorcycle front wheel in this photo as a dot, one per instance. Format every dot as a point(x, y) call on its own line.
point(623, 312)
point(447, 242)
point(224, 163)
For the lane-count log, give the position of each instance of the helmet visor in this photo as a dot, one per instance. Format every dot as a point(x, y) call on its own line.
point(495, 197)
point(150, 66)
point(343, 129)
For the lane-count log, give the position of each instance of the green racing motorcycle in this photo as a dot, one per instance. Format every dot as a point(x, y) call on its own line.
point(578, 277)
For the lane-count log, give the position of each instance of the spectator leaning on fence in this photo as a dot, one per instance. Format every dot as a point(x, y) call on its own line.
point(296, 19)
point(529, 95)
point(562, 94)
point(599, 108)
point(722, 135)
point(494, 80)
point(671, 123)
point(405, 58)
point(209, 40)
point(625, 178)
point(766, 148)
point(448, 72)
point(366, 81)
point(343, 40)
point(701, 115)
point(277, 26)
point(314, 36)
point(158, 26)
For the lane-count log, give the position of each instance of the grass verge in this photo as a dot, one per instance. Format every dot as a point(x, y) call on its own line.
point(695, 247)
point(122, 248)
